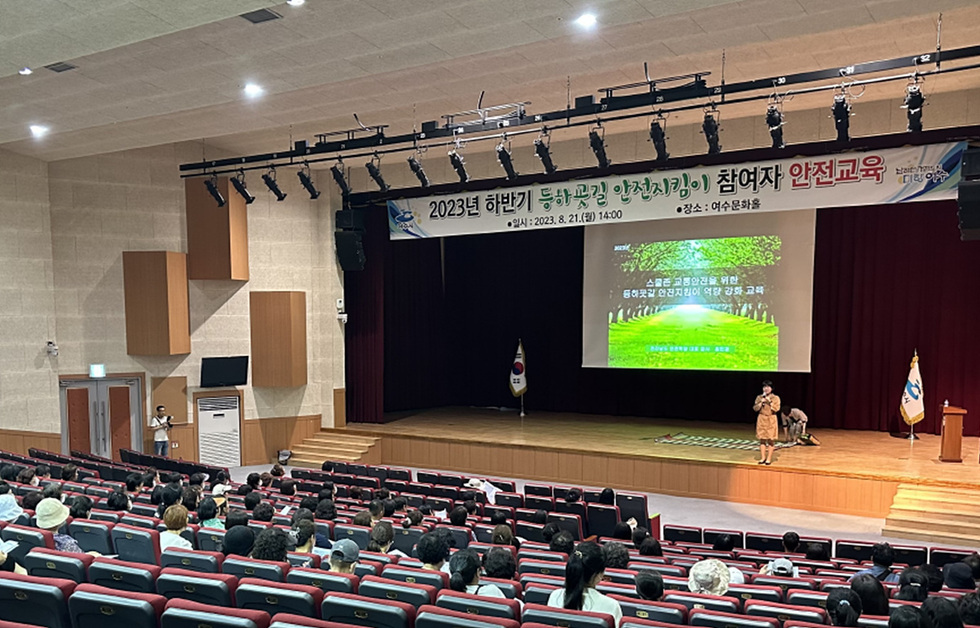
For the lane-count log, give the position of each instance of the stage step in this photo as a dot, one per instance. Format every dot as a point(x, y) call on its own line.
point(936, 514)
point(335, 445)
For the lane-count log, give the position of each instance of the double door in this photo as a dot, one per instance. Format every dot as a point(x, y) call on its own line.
point(101, 416)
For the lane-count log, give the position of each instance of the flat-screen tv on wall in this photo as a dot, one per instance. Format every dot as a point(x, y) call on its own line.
point(232, 371)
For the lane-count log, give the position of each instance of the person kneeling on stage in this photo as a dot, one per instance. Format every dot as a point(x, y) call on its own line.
point(766, 426)
point(794, 423)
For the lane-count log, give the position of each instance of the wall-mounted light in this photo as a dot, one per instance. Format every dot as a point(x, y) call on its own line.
point(598, 145)
point(211, 183)
point(238, 182)
point(306, 180)
point(418, 171)
point(269, 179)
point(374, 169)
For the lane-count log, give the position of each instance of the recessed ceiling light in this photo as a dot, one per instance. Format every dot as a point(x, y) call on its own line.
point(25, 71)
point(253, 91)
point(295, 3)
point(38, 130)
point(586, 20)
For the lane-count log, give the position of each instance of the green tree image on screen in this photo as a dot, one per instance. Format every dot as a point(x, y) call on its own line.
point(695, 304)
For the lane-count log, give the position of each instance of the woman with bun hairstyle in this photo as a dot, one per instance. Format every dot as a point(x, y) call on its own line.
point(584, 571)
point(844, 607)
point(465, 568)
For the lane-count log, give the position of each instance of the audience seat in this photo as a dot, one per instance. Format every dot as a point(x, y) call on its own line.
point(122, 575)
point(27, 538)
point(784, 612)
point(539, 502)
point(724, 604)
point(632, 622)
point(806, 597)
point(617, 588)
point(785, 583)
point(416, 594)
point(136, 545)
point(366, 611)
point(541, 490)
point(36, 601)
point(49, 563)
point(326, 581)
point(192, 560)
point(711, 534)
point(910, 554)
point(278, 597)
point(666, 612)
point(529, 531)
point(207, 588)
point(187, 614)
point(940, 556)
point(436, 617)
point(437, 579)
point(858, 550)
point(139, 521)
point(479, 605)
point(538, 593)
point(763, 542)
point(602, 519)
point(253, 568)
point(545, 567)
point(210, 539)
point(359, 534)
point(92, 605)
point(535, 554)
point(634, 505)
point(511, 500)
point(569, 522)
point(564, 617)
point(510, 588)
point(92, 536)
point(285, 620)
point(682, 534)
point(715, 619)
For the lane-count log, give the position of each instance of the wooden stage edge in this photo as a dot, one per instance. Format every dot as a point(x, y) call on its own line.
point(852, 472)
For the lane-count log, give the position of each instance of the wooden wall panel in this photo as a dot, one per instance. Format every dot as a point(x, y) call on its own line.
point(278, 330)
point(79, 418)
point(18, 441)
point(183, 442)
point(769, 486)
point(263, 438)
point(339, 407)
point(120, 420)
point(217, 237)
point(157, 307)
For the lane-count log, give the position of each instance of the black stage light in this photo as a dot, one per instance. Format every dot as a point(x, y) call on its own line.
point(659, 139)
point(239, 183)
point(710, 129)
point(375, 173)
point(842, 117)
point(337, 171)
point(599, 148)
point(774, 120)
point(269, 179)
point(913, 107)
point(506, 161)
point(543, 151)
point(418, 171)
point(307, 181)
point(212, 185)
point(459, 166)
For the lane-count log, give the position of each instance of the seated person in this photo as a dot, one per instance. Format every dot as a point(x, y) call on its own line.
point(31, 500)
point(10, 510)
point(585, 569)
point(175, 518)
point(208, 512)
point(651, 547)
point(844, 607)
point(882, 557)
point(465, 569)
point(562, 542)
point(958, 575)
point(382, 538)
point(499, 563)
point(304, 532)
point(238, 540)
point(51, 514)
point(271, 544)
point(433, 551)
point(615, 555)
point(650, 585)
point(81, 507)
point(343, 556)
point(709, 576)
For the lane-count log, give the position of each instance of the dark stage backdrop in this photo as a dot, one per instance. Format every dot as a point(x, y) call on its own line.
point(441, 324)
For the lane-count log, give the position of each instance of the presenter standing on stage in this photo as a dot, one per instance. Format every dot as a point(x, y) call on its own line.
point(766, 423)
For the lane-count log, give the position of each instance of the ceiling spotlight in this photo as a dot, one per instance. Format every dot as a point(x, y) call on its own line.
point(774, 120)
point(459, 166)
point(38, 130)
point(269, 179)
point(710, 129)
point(25, 71)
point(542, 148)
point(586, 20)
point(239, 183)
point(913, 107)
point(375, 172)
point(212, 185)
point(307, 181)
point(253, 91)
point(842, 114)
point(659, 138)
point(417, 170)
point(506, 161)
point(599, 147)
point(338, 173)
point(295, 3)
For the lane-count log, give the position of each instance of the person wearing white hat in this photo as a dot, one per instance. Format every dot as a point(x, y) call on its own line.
point(709, 576)
point(51, 514)
point(10, 511)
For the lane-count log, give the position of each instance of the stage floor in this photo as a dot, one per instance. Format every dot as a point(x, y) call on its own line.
point(843, 453)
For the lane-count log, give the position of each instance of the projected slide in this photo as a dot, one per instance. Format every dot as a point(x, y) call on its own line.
point(738, 301)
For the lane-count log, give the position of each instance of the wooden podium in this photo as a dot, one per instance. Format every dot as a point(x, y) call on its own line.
point(952, 440)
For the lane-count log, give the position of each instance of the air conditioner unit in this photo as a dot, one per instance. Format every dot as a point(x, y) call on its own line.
point(219, 438)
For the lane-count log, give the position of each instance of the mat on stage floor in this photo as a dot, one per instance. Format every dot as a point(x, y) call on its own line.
point(719, 442)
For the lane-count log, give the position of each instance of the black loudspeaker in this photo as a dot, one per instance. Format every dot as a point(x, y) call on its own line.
point(968, 196)
point(349, 219)
point(350, 250)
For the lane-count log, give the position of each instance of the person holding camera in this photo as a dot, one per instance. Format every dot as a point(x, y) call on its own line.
point(161, 425)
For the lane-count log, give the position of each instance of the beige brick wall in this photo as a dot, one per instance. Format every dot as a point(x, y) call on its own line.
point(28, 377)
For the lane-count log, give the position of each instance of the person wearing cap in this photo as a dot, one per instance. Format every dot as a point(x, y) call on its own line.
point(709, 576)
point(238, 541)
point(343, 556)
point(766, 423)
point(50, 515)
point(782, 567)
point(10, 511)
point(958, 575)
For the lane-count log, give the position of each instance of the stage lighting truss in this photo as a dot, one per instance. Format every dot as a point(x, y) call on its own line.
point(374, 169)
point(597, 142)
point(914, 101)
point(711, 126)
point(658, 135)
point(211, 183)
point(306, 179)
point(238, 181)
point(481, 116)
point(269, 179)
point(339, 172)
point(415, 164)
point(542, 149)
point(775, 122)
point(505, 158)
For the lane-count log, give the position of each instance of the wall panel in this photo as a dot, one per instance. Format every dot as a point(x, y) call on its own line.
point(263, 438)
